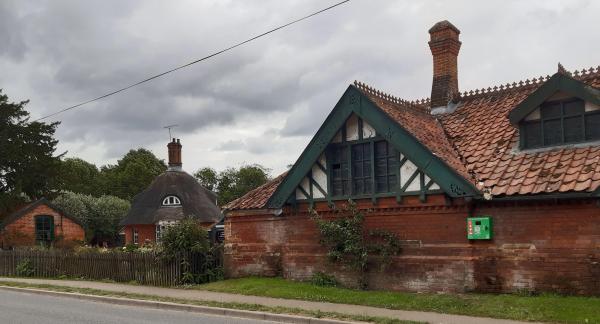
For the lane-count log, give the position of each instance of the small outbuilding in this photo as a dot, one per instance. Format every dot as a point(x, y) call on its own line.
point(40, 223)
point(171, 197)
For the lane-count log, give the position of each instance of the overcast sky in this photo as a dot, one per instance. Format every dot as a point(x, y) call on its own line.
point(260, 103)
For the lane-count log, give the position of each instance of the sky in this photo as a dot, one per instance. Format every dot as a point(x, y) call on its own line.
point(262, 102)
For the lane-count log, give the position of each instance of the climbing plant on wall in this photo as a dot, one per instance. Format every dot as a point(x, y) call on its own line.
point(349, 243)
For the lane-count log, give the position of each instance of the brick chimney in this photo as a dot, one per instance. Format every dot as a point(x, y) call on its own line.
point(444, 45)
point(174, 155)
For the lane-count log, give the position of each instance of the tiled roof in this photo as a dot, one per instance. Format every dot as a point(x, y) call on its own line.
point(478, 142)
point(484, 138)
point(416, 119)
point(256, 198)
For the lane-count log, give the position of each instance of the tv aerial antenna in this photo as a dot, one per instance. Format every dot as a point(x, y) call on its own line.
point(169, 128)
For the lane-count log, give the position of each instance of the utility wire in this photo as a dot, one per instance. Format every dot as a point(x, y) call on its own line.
point(193, 62)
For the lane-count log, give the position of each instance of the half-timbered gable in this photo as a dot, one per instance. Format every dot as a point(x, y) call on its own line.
point(495, 189)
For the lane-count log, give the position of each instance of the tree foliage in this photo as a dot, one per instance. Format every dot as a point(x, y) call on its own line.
point(100, 216)
point(232, 183)
point(27, 162)
point(77, 175)
point(132, 174)
point(350, 244)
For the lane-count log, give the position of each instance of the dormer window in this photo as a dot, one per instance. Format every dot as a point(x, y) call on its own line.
point(559, 122)
point(171, 201)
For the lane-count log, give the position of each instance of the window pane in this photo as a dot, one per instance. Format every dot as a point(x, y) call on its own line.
point(551, 110)
point(533, 134)
point(357, 152)
point(592, 126)
point(575, 107)
point(381, 184)
point(552, 132)
point(381, 148)
point(573, 127)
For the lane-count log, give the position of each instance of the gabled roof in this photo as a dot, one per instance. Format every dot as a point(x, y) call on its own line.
point(27, 208)
point(560, 81)
point(477, 141)
point(196, 201)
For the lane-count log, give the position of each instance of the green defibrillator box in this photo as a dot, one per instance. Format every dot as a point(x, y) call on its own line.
point(479, 228)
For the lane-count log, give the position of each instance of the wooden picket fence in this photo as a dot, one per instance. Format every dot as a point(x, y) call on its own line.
point(147, 268)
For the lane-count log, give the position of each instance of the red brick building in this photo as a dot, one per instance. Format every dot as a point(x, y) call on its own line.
point(524, 156)
point(40, 223)
point(171, 197)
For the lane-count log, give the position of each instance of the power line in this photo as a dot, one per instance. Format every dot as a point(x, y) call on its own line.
point(193, 62)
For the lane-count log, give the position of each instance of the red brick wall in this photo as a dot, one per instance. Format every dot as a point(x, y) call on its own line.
point(147, 232)
point(537, 246)
point(21, 232)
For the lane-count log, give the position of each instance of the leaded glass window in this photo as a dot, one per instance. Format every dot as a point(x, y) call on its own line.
point(561, 122)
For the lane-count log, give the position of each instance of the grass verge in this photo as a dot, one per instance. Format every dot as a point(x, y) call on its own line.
point(250, 307)
point(544, 308)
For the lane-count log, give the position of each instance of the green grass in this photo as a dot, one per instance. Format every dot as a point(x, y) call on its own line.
point(546, 307)
point(250, 307)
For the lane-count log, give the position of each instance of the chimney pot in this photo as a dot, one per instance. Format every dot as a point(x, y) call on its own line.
point(174, 148)
point(445, 45)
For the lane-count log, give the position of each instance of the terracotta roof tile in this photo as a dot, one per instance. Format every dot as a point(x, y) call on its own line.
point(257, 198)
point(480, 131)
point(478, 142)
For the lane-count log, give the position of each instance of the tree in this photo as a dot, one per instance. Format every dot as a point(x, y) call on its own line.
point(208, 178)
point(100, 216)
point(132, 174)
point(27, 162)
point(79, 176)
point(232, 183)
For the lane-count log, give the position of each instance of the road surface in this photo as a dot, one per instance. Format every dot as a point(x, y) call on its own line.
point(26, 308)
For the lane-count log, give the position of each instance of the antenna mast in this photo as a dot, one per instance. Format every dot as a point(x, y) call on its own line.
point(169, 128)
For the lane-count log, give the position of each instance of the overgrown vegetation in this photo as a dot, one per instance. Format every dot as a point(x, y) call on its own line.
point(198, 257)
point(100, 216)
point(24, 268)
point(542, 308)
point(351, 245)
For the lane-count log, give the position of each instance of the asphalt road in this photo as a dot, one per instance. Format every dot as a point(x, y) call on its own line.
point(25, 308)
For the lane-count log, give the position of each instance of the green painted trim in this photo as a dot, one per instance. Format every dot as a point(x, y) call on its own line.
point(567, 195)
point(354, 101)
point(410, 180)
point(316, 184)
point(306, 194)
point(558, 82)
point(320, 166)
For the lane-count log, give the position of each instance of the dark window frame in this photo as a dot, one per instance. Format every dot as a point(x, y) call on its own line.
point(583, 136)
point(44, 229)
point(336, 168)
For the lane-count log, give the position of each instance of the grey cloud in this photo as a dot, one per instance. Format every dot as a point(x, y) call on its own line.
point(70, 51)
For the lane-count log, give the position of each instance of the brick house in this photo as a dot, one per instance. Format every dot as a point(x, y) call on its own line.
point(40, 223)
point(524, 157)
point(171, 197)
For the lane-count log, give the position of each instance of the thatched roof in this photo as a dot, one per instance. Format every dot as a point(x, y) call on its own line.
point(196, 201)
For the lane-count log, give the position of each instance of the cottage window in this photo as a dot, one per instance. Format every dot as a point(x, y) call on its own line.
point(560, 122)
point(171, 201)
point(44, 229)
point(135, 235)
point(361, 168)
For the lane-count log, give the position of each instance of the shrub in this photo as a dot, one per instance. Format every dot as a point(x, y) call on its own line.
point(322, 279)
point(24, 268)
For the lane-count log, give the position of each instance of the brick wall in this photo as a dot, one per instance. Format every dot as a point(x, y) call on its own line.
point(21, 232)
point(537, 246)
point(146, 232)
